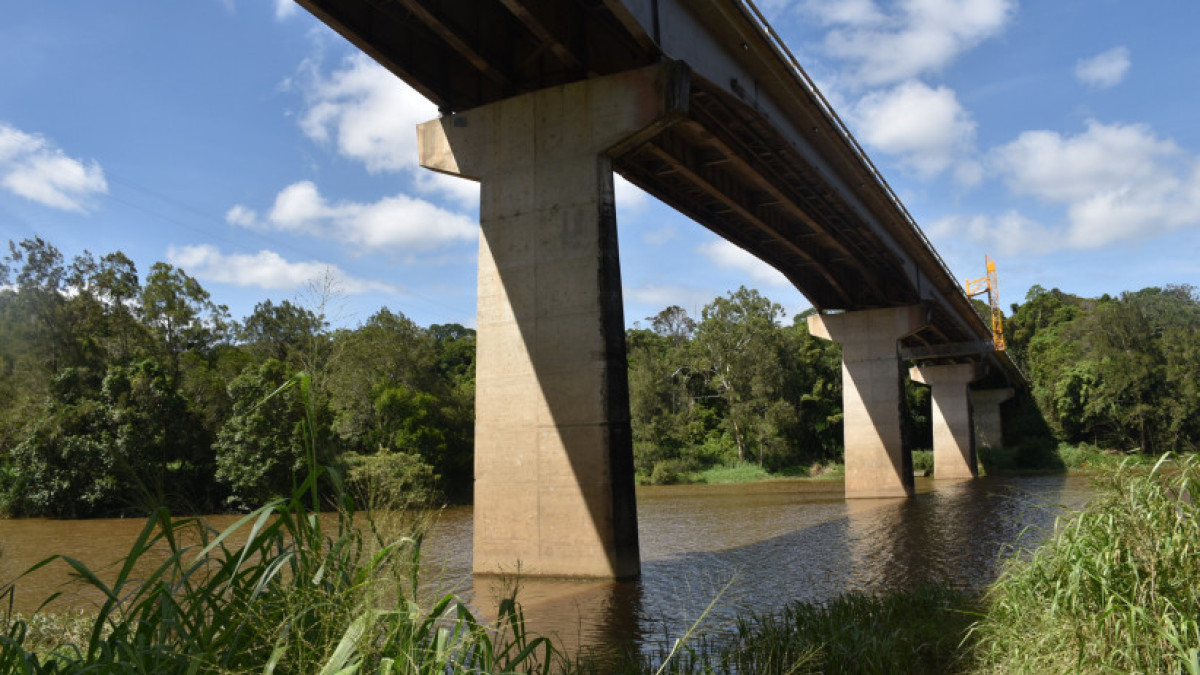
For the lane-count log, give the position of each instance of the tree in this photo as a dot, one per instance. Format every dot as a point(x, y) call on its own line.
point(281, 331)
point(181, 313)
point(163, 447)
point(388, 350)
point(738, 350)
point(262, 445)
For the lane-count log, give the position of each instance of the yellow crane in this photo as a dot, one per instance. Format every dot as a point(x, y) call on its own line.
point(988, 285)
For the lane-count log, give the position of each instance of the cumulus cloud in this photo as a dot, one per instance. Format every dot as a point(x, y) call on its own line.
point(369, 115)
point(884, 45)
point(1008, 234)
point(630, 198)
point(265, 269)
point(1114, 183)
point(400, 223)
point(33, 168)
point(727, 255)
point(285, 9)
point(366, 112)
point(1104, 70)
point(926, 127)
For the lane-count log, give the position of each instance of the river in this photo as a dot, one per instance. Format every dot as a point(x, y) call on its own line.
point(759, 545)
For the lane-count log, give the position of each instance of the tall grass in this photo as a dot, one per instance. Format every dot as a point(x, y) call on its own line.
point(1117, 589)
point(905, 631)
point(291, 597)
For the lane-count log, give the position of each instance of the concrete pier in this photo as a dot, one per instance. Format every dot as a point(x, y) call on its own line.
point(878, 461)
point(989, 428)
point(953, 436)
point(554, 491)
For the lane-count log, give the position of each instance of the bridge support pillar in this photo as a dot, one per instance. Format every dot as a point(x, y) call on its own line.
point(554, 490)
point(953, 436)
point(878, 463)
point(989, 429)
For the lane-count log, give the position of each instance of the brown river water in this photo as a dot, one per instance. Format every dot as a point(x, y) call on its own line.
point(760, 546)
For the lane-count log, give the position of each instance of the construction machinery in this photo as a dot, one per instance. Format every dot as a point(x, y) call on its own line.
point(988, 285)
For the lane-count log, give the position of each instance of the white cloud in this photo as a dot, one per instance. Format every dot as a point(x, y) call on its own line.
point(661, 296)
point(911, 37)
point(927, 128)
point(1114, 183)
point(659, 235)
point(630, 198)
point(371, 116)
point(727, 255)
point(462, 191)
point(1010, 234)
point(1104, 70)
point(285, 9)
point(242, 216)
point(400, 222)
point(858, 13)
point(265, 269)
point(367, 112)
point(1102, 159)
point(31, 167)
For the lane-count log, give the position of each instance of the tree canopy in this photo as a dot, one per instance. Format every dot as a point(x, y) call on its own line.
point(123, 392)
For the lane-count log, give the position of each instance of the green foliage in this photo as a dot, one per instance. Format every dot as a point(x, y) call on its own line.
point(1118, 372)
point(388, 480)
point(119, 391)
point(284, 332)
point(733, 387)
point(261, 446)
point(1112, 591)
point(295, 597)
point(922, 462)
point(64, 466)
point(903, 631)
point(121, 395)
point(180, 312)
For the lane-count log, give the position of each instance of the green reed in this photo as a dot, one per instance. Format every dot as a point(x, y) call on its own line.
point(1116, 589)
point(276, 592)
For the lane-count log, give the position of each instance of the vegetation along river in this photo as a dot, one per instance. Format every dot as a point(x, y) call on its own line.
point(762, 545)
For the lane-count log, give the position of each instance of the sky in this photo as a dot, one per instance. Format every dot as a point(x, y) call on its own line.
point(252, 147)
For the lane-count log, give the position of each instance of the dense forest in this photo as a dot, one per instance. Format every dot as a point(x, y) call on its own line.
point(121, 391)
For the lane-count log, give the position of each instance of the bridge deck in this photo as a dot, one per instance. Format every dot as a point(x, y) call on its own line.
point(761, 159)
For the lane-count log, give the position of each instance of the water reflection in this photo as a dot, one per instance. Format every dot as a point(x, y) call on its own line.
point(758, 546)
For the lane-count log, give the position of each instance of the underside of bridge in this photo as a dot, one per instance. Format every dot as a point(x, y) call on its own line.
point(750, 150)
point(829, 226)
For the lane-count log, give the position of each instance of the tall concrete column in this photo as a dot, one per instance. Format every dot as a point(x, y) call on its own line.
point(989, 429)
point(878, 463)
point(953, 436)
point(554, 489)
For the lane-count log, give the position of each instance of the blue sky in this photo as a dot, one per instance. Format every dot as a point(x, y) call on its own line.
point(246, 143)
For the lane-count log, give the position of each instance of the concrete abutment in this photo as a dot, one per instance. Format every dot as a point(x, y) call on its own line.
point(554, 486)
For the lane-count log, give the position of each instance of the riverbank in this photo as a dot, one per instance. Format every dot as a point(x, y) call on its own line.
point(1065, 458)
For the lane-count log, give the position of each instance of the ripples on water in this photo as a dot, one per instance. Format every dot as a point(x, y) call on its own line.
point(768, 544)
point(763, 545)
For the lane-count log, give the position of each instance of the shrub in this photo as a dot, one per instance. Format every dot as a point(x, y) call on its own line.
point(389, 480)
point(1114, 590)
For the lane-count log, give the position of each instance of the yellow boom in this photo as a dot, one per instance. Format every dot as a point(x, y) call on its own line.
point(988, 285)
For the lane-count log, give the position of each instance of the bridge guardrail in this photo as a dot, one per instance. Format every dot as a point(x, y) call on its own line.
point(802, 76)
point(785, 54)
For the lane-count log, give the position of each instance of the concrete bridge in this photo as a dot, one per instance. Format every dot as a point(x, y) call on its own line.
point(699, 103)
